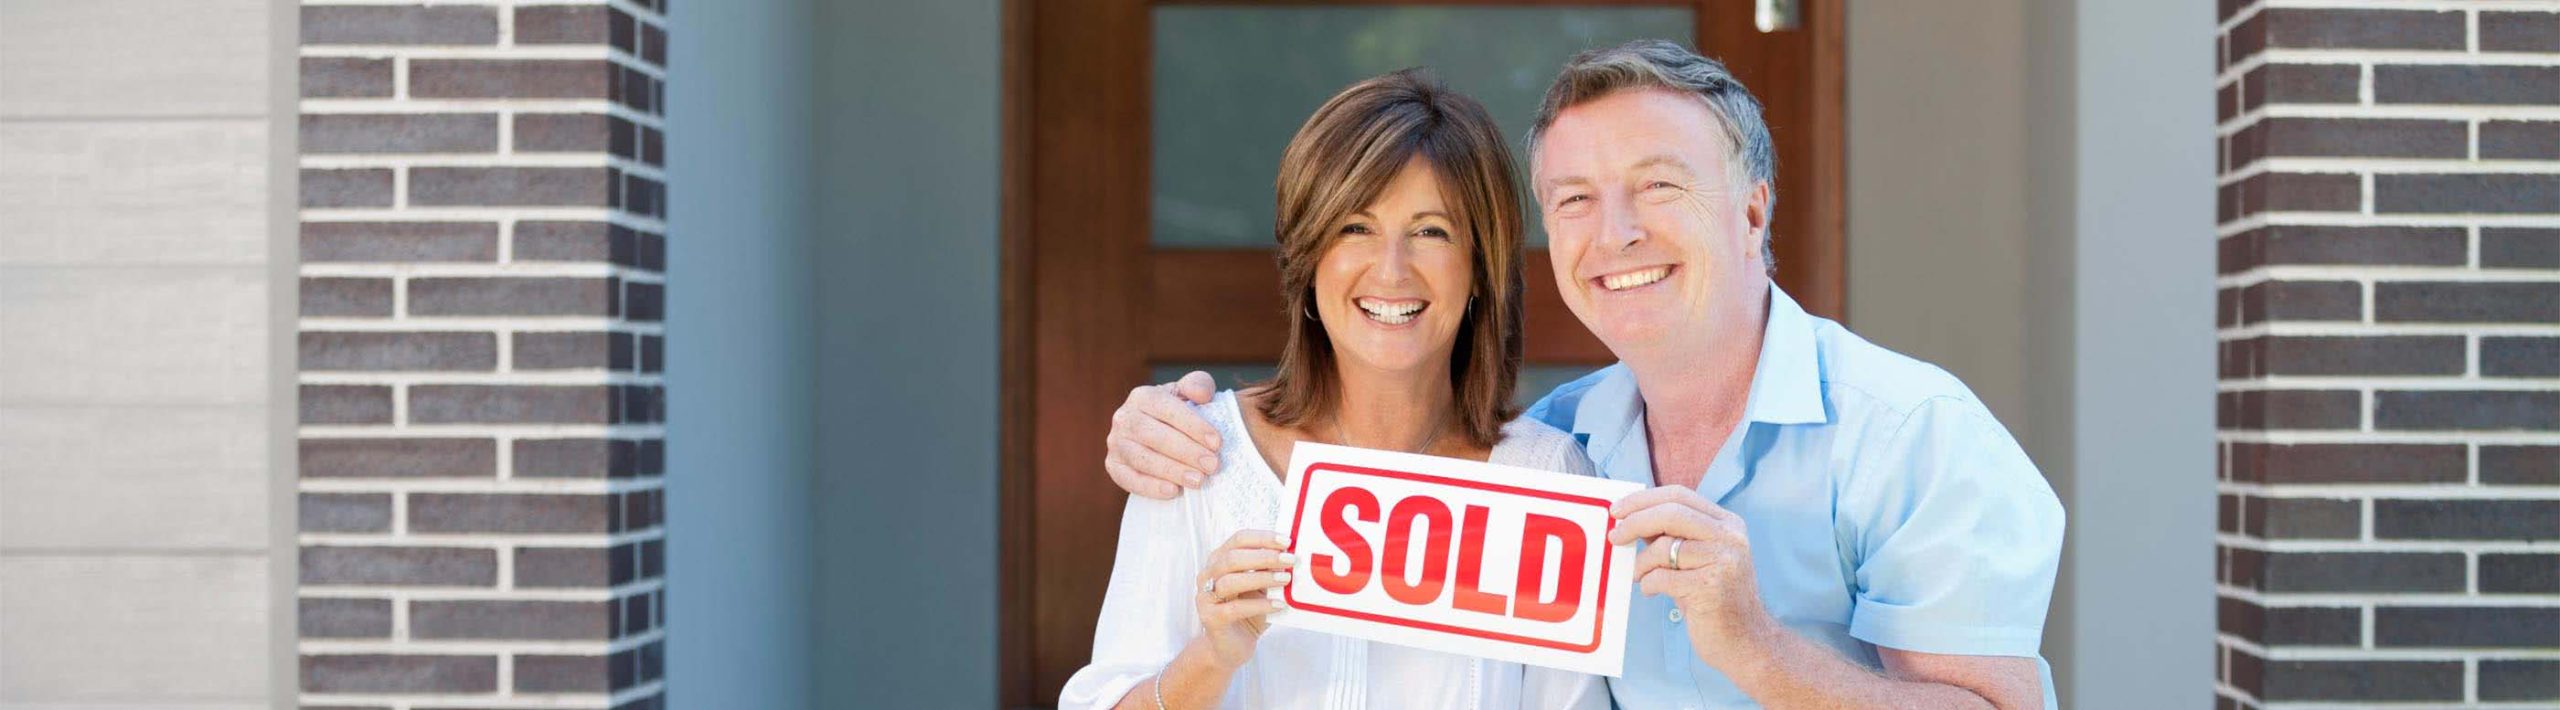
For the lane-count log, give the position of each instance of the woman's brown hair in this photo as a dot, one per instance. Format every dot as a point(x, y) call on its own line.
point(1339, 162)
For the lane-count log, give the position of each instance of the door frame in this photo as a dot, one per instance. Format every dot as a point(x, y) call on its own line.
point(1075, 179)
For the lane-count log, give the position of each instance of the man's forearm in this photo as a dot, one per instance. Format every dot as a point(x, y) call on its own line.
point(1788, 671)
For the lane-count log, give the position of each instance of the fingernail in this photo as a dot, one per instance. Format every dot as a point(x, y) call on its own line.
point(1288, 558)
point(1208, 463)
point(1284, 542)
point(1280, 601)
point(1281, 577)
point(1194, 478)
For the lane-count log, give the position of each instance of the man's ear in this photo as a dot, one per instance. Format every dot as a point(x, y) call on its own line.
point(1758, 209)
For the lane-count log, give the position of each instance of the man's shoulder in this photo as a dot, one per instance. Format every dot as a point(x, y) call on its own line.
point(1913, 408)
point(1858, 373)
point(1556, 409)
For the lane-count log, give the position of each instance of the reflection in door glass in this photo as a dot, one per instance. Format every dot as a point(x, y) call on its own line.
point(1535, 380)
point(1233, 83)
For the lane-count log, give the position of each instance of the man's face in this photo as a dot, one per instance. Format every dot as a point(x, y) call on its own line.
point(1656, 242)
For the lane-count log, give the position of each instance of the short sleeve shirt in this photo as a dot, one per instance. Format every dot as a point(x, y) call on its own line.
point(1886, 507)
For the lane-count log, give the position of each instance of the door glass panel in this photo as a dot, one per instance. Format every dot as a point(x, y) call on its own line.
point(1535, 380)
point(1232, 84)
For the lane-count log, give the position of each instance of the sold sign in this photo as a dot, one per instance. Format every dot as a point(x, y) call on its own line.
point(1459, 556)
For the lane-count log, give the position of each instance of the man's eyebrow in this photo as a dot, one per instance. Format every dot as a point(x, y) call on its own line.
point(1663, 160)
point(1552, 183)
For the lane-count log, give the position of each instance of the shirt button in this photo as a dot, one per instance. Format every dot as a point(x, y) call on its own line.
point(1675, 616)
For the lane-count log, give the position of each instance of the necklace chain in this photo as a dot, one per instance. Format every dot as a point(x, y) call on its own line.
point(1434, 438)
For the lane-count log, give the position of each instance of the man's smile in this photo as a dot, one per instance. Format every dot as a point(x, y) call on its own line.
point(1634, 278)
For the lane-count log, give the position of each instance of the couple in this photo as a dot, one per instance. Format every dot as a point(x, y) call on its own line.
point(1831, 524)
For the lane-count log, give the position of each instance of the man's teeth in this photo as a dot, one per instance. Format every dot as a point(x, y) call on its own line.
point(1397, 313)
point(1632, 279)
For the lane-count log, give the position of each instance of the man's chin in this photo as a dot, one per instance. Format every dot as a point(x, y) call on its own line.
point(1634, 335)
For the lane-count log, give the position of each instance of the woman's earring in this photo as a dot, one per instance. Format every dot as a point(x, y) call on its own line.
point(1310, 310)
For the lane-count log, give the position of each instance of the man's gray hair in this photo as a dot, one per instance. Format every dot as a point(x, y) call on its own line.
point(1661, 64)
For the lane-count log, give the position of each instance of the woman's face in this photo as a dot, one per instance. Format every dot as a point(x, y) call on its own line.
point(1393, 287)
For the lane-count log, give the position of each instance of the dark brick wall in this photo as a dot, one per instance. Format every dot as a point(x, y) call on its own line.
point(2390, 355)
point(482, 443)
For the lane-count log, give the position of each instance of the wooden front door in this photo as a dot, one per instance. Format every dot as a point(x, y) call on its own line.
point(1141, 139)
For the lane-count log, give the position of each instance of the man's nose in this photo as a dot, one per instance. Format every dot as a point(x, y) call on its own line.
point(1618, 226)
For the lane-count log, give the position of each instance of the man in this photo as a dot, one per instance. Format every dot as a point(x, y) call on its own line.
point(1832, 524)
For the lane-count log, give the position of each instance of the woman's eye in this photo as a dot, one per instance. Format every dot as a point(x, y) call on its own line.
point(1433, 232)
point(1355, 229)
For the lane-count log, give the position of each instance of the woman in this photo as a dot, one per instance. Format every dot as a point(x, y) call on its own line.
point(1400, 230)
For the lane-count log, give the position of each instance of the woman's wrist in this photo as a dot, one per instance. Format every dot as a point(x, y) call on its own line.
point(1204, 652)
point(1196, 666)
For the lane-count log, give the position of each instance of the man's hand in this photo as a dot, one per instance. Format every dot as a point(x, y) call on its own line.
point(1711, 582)
point(1715, 589)
point(1158, 443)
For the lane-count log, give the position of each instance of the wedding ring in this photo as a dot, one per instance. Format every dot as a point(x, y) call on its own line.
point(1209, 587)
point(1675, 553)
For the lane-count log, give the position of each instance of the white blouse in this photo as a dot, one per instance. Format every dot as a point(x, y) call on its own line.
point(1147, 614)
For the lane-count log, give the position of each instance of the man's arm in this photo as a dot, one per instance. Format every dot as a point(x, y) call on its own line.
point(1158, 444)
point(1795, 672)
point(1714, 584)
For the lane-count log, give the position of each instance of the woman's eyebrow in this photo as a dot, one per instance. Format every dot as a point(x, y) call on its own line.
point(1431, 213)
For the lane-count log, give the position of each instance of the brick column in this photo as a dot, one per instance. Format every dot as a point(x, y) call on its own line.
point(2390, 354)
point(482, 247)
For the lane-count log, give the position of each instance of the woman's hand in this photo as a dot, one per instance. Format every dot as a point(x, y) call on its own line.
point(1235, 593)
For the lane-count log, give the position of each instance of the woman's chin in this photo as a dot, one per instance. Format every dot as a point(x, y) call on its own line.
point(1392, 360)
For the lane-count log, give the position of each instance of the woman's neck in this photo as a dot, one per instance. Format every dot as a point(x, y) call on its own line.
point(1401, 411)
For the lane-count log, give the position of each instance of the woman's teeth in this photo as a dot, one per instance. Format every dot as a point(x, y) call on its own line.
point(1632, 279)
point(1391, 312)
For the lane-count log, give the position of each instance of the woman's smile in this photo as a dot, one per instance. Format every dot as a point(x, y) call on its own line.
point(1391, 312)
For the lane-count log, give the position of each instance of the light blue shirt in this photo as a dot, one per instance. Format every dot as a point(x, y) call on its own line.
point(1886, 507)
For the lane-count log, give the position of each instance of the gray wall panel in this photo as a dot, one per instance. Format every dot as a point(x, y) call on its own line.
point(905, 496)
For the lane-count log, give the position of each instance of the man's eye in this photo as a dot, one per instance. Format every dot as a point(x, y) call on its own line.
point(1571, 199)
point(1659, 184)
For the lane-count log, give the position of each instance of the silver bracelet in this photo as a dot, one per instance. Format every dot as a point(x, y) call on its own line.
point(1160, 684)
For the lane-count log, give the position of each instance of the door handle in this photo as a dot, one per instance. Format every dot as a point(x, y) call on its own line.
point(1777, 15)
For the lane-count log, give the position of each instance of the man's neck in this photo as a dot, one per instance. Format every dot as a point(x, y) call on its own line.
point(1695, 395)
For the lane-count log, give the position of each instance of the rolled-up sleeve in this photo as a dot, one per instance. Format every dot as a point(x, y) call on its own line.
point(1146, 612)
point(1956, 537)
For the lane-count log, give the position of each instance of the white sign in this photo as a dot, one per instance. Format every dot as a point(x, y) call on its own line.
point(1472, 558)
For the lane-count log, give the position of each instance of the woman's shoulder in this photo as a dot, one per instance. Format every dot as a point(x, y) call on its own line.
point(1535, 444)
point(1225, 412)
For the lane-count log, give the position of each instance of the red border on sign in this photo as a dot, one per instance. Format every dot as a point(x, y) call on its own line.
point(1291, 590)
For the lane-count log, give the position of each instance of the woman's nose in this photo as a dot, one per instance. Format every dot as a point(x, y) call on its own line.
point(1398, 261)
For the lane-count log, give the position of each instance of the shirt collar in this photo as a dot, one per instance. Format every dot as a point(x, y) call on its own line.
point(1786, 387)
